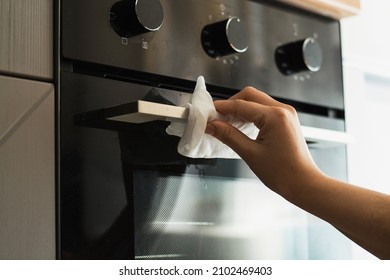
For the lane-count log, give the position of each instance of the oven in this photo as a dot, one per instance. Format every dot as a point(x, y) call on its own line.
point(123, 190)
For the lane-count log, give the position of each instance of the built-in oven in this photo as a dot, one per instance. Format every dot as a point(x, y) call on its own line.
point(124, 192)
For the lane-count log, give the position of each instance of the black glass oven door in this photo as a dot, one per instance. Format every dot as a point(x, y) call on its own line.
point(125, 193)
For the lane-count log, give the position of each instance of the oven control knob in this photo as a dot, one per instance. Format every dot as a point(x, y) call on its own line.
point(303, 55)
point(134, 17)
point(224, 38)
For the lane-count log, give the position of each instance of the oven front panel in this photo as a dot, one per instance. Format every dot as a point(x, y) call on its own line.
point(126, 193)
point(177, 50)
point(124, 190)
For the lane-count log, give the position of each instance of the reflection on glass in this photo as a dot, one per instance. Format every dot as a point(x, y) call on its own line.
point(199, 217)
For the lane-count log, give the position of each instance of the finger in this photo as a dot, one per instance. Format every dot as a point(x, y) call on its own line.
point(245, 110)
point(232, 137)
point(255, 95)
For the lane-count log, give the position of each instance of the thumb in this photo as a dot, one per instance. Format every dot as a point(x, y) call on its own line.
point(231, 136)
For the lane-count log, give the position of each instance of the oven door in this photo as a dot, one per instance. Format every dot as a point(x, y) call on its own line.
point(126, 193)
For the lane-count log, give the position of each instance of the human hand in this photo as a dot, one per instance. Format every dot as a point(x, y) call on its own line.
point(279, 155)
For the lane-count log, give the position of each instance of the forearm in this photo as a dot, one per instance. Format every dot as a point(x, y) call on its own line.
point(280, 157)
point(361, 214)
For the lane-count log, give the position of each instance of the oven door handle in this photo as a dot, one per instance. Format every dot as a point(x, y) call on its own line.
point(144, 111)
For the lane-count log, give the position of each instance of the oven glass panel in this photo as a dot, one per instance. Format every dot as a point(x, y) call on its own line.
point(197, 215)
point(207, 217)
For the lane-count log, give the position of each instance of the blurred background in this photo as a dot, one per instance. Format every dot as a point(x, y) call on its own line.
point(366, 44)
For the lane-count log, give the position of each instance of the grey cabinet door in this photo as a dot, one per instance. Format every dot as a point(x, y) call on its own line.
point(26, 38)
point(27, 187)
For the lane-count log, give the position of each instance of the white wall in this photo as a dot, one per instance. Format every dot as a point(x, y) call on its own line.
point(366, 56)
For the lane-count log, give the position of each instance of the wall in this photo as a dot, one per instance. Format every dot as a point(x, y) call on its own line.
point(367, 97)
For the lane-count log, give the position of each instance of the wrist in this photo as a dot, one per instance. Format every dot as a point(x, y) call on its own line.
point(304, 186)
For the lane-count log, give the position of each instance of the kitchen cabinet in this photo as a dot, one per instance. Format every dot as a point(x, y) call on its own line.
point(27, 164)
point(332, 8)
point(27, 193)
point(26, 38)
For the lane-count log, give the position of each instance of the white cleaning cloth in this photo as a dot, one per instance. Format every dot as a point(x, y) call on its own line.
point(194, 142)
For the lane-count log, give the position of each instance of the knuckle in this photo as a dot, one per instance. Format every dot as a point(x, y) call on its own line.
point(285, 113)
point(251, 91)
point(290, 109)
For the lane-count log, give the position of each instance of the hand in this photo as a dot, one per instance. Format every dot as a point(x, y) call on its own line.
point(279, 155)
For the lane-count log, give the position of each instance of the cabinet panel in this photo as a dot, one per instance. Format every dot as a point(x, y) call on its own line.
point(332, 8)
point(26, 37)
point(27, 184)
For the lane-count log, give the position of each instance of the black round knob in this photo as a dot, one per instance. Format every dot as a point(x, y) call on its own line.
point(224, 38)
point(303, 55)
point(134, 17)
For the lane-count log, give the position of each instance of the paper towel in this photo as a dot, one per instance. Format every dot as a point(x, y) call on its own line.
point(194, 142)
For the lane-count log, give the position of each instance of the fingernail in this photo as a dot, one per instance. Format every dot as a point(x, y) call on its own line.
point(210, 129)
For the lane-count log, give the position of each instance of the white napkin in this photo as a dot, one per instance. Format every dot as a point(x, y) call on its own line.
point(194, 142)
